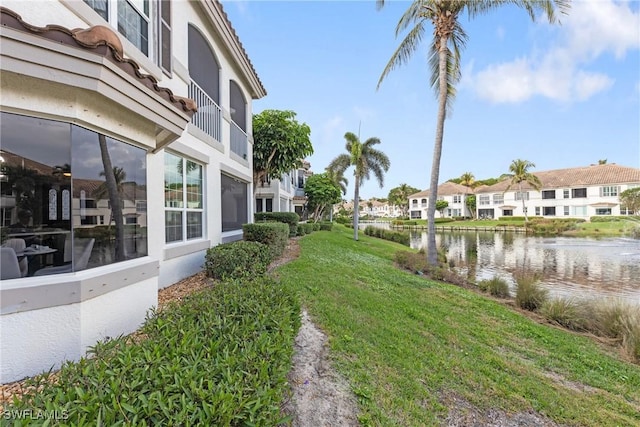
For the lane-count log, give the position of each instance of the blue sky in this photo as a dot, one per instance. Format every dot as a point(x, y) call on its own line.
point(559, 96)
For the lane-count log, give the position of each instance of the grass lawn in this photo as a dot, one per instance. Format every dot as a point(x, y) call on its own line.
point(408, 346)
point(609, 229)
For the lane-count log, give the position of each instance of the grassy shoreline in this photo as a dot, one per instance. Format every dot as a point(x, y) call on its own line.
point(408, 345)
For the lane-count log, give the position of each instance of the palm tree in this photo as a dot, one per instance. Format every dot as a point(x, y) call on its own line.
point(519, 173)
point(467, 179)
point(338, 178)
point(399, 196)
point(444, 60)
point(366, 159)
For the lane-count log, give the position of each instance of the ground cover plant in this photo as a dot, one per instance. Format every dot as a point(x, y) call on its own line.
point(220, 357)
point(410, 346)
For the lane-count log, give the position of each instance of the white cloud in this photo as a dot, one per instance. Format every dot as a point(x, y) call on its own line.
point(592, 28)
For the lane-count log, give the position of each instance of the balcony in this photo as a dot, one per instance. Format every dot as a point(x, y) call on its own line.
point(209, 115)
point(239, 141)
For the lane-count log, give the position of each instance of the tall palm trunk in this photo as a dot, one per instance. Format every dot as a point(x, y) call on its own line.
point(114, 198)
point(524, 208)
point(432, 252)
point(356, 207)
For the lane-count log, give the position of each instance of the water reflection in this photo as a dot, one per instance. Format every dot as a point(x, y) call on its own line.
point(579, 267)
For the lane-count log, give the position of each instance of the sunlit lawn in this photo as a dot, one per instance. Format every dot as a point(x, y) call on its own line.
point(406, 344)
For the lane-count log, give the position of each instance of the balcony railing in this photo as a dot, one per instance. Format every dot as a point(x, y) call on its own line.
point(209, 115)
point(239, 141)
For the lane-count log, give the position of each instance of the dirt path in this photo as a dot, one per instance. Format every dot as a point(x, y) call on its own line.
point(320, 396)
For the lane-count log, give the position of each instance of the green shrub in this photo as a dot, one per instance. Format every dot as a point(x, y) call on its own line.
point(608, 317)
point(301, 230)
point(343, 220)
point(289, 218)
point(237, 259)
point(220, 357)
point(316, 226)
point(552, 226)
point(442, 220)
point(308, 227)
point(511, 218)
point(608, 218)
point(566, 312)
point(529, 294)
point(393, 236)
point(496, 286)
point(415, 262)
point(273, 234)
point(326, 226)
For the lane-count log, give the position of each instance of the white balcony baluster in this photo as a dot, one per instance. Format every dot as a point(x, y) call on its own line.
point(209, 115)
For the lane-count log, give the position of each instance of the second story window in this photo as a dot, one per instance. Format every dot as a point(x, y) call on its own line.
point(131, 17)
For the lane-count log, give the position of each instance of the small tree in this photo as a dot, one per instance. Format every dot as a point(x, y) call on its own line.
point(441, 205)
point(279, 144)
point(470, 201)
point(321, 191)
point(399, 196)
point(519, 173)
point(366, 160)
point(631, 199)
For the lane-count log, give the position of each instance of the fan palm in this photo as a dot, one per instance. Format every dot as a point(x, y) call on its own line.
point(366, 159)
point(444, 60)
point(519, 173)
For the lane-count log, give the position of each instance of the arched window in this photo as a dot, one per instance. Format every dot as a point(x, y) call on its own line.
point(204, 88)
point(238, 120)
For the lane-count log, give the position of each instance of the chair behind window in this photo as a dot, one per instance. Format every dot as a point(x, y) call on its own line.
point(9, 267)
point(18, 246)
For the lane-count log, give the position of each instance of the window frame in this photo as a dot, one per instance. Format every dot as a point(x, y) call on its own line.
point(185, 209)
point(576, 193)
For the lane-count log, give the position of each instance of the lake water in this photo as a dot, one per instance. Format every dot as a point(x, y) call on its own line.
point(569, 266)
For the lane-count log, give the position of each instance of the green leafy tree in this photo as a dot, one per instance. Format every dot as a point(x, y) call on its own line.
point(399, 196)
point(279, 144)
point(518, 174)
point(366, 160)
point(470, 201)
point(321, 192)
point(631, 199)
point(441, 205)
point(444, 59)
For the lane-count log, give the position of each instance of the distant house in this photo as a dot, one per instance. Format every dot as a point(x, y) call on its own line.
point(580, 192)
point(452, 193)
point(126, 124)
point(285, 194)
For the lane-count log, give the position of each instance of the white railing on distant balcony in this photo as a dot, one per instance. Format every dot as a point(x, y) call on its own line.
point(209, 115)
point(239, 140)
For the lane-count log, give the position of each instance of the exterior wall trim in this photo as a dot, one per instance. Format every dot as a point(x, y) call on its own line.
point(36, 293)
point(186, 249)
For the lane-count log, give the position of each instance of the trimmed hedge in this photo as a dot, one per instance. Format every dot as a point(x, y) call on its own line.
point(552, 226)
point(289, 218)
point(273, 234)
point(394, 236)
point(237, 259)
point(219, 358)
point(610, 218)
point(326, 226)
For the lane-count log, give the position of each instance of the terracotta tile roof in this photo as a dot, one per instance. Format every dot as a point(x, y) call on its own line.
point(445, 189)
point(607, 174)
point(99, 40)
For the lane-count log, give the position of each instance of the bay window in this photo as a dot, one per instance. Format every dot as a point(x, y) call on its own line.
point(57, 193)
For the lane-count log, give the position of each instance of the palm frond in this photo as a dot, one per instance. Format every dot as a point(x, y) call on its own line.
point(404, 51)
point(340, 163)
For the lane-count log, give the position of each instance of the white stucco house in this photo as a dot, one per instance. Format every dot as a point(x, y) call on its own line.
point(580, 192)
point(285, 194)
point(452, 193)
point(126, 153)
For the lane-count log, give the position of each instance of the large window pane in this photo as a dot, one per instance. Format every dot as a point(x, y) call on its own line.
point(113, 196)
point(234, 203)
point(56, 206)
